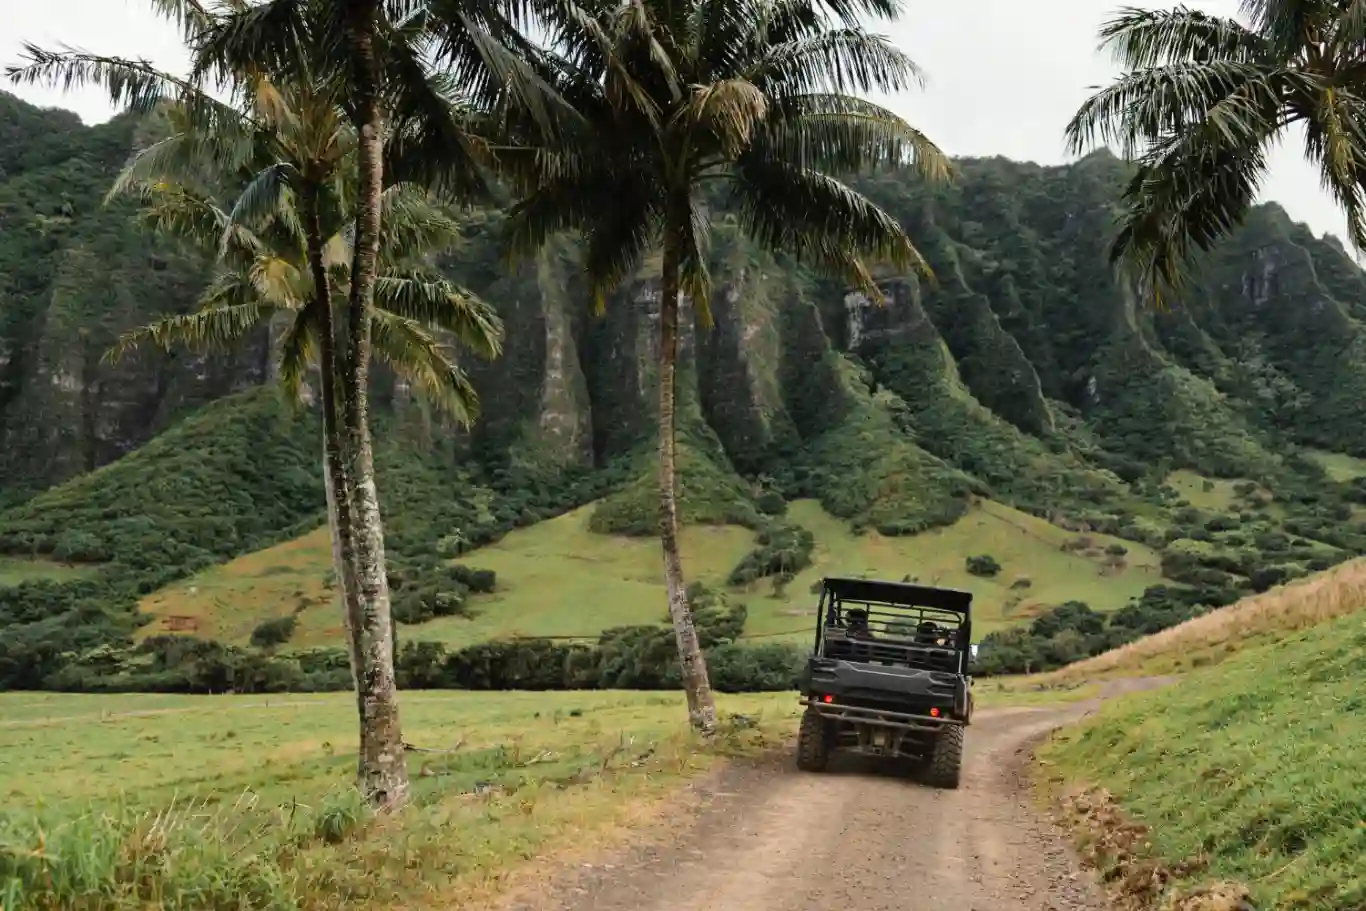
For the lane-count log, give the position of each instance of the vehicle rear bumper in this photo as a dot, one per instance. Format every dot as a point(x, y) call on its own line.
point(905, 721)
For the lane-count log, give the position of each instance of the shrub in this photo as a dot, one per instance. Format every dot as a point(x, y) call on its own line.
point(783, 550)
point(983, 565)
point(271, 633)
point(771, 503)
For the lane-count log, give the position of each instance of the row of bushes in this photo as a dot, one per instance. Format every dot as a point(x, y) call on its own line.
point(629, 657)
point(1073, 631)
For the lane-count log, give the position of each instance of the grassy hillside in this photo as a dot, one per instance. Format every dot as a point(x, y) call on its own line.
point(1262, 746)
point(559, 578)
point(1262, 759)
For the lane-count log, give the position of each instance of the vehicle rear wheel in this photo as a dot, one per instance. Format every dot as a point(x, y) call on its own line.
point(946, 758)
point(813, 745)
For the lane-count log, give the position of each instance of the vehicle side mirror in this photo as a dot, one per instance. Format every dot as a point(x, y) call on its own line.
point(972, 651)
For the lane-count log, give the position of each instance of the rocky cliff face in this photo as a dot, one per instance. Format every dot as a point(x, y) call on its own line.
point(73, 275)
point(1023, 370)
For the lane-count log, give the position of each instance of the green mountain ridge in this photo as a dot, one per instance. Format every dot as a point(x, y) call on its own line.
point(1024, 373)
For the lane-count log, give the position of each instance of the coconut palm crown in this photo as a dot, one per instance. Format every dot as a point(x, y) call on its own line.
point(1202, 100)
point(756, 93)
point(261, 245)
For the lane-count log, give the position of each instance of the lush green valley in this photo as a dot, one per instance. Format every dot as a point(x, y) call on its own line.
point(1124, 468)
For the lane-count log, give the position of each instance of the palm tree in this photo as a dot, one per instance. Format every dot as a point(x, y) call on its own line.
point(296, 154)
point(668, 96)
point(1202, 100)
point(380, 55)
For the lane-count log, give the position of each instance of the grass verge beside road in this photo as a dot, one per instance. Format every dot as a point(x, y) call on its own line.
point(1250, 771)
point(227, 802)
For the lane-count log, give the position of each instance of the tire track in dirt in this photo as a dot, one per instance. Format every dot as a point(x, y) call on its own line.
point(862, 837)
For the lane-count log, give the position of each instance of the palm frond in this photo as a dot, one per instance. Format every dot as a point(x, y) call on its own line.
point(1190, 191)
point(731, 110)
point(274, 36)
point(842, 134)
point(552, 205)
point(1349, 31)
point(434, 134)
point(844, 60)
point(850, 12)
point(191, 17)
point(1143, 38)
point(212, 328)
point(280, 281)
point(817, 219)
point(132, 84)
point(1335, 135)
point(694, 272)
point(416, 356)
point(299, 349)
point(483, 53)
point(268, 196)
point(1149, 103)
point(430, 300)
point(1286, 26)
point(177, 211)
point(179, 158)
point(618, 237)
point(412, 228)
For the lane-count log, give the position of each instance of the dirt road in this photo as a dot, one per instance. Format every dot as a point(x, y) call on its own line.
point(857, 838)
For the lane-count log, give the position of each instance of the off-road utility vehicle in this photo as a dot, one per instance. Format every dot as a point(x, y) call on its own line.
point(889, 676)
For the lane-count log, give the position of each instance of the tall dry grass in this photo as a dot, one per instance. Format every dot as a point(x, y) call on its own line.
point(1206, 639)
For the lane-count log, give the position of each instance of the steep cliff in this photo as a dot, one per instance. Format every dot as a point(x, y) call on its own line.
point(73, 274)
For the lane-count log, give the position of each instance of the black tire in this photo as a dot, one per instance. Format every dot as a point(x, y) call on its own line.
point(813, 747)
point(946, 758)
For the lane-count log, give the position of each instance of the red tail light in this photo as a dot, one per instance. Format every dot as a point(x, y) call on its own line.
point(934, 713)
point(827, 698)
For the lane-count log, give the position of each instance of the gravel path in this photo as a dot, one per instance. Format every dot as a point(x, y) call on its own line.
point(858, 838)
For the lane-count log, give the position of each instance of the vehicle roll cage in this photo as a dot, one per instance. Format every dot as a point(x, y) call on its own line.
point(894, 623)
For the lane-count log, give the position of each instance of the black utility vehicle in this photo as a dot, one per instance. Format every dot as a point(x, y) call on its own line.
point(889, 676)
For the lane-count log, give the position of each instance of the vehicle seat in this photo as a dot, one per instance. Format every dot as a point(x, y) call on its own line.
point(837, 645)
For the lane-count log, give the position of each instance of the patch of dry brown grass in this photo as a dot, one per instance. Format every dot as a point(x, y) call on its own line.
point(1212, 637)
point(1119, 850)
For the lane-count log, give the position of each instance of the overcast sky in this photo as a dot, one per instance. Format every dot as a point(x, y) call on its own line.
point(1005, 75)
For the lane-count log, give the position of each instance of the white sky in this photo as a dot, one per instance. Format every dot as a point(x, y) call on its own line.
point(1005, 75)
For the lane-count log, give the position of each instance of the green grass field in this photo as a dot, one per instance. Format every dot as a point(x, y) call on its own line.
point(1213, 494)
point(146, 750)
point(1261, 759)
point(209, 801)
point(559, 579)
point(215, 801)
point(14, 571)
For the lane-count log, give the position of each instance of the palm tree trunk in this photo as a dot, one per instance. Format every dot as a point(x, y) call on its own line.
point(697, 685)
point(339, 510)
point(383, 770)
